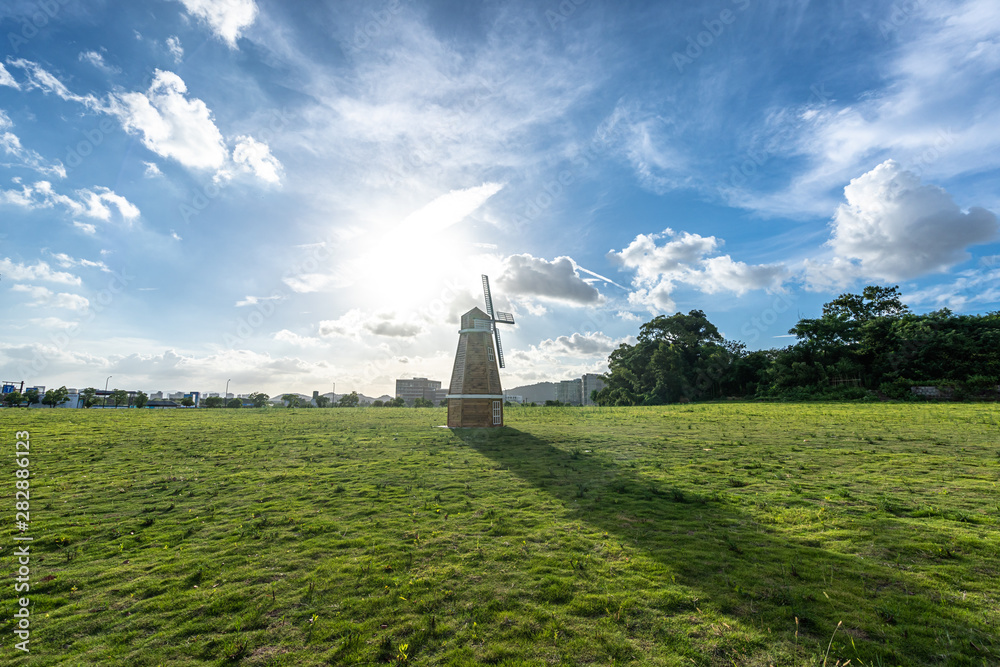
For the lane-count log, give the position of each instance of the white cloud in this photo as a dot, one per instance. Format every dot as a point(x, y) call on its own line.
point(645, 141)
point(152, 170)
point(254, 300)
point(722, 274)
point(256, 157)
point(672, 260)
point(686, 258)
point(304, 283)
point(65, 261)
point(558, 280)
point(892, 227)
point(36, 291)
point(628, 316)
point(45, 297)
point(357, 324)
point(170, 124)
point(175, 48)
point(6, 79)
point(100, 200)
point(37, 271)
point(41, 79)
point(590, 344)
point(69, 301)
point(11, 146)
point(85, 227)
point(92, 203)
point(226, 18)
point(970, 288)
point(51, 323)
point(97, 60)
point(293, 338)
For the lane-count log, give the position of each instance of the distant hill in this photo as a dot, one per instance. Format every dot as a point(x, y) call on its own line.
point(535, 393)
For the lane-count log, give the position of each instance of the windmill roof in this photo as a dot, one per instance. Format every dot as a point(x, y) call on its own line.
point(474, 314)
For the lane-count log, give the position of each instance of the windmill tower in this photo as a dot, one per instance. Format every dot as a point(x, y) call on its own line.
point(475, 398)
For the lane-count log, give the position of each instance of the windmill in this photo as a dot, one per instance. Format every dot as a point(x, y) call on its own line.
point(475, 397)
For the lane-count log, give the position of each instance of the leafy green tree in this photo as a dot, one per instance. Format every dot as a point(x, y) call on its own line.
point(423, 403)
point(12, 399)
point(32, 397)
point(214, 402)
point(398, 402)
point(322, 401)
point(141, 398)
point(89, 396)
point(119, 396)
point(377, 403)
point(675, 357)
point(187, 402)
point(259, 399)
point(54, 397)
point(234, 403)
point(291, 400)
point(349, 400)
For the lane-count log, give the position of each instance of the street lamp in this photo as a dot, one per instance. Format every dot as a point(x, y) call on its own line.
point(105, 390)
point(225, 396)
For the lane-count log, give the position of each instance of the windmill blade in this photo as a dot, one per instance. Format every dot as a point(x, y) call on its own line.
point(504, 318)
point(496, 333)
point(489, 298)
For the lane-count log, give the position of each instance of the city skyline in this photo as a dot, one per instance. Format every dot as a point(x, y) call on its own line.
point(194, 191)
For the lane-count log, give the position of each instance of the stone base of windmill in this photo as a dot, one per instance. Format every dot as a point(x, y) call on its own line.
point(475, 412)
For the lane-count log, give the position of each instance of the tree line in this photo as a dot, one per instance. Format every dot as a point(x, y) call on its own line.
point(862, 346)
point(88, 399)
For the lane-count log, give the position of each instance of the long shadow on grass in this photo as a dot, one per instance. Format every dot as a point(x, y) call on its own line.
point(726, 559)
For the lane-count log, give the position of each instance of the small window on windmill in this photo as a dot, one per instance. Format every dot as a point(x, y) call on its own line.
point(497, 412)
point(489, 352)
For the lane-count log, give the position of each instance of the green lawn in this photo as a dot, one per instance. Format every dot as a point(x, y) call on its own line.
point(724, 534)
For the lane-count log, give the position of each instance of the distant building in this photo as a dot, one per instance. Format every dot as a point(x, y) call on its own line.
point(511, 398)
point(156, 396)
point(412, 389)
point(569, 391)
point(591, 382)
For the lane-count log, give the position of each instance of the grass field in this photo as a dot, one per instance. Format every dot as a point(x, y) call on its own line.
point(725, 534)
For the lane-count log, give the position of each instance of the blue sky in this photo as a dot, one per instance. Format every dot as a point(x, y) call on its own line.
point(291, 195)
